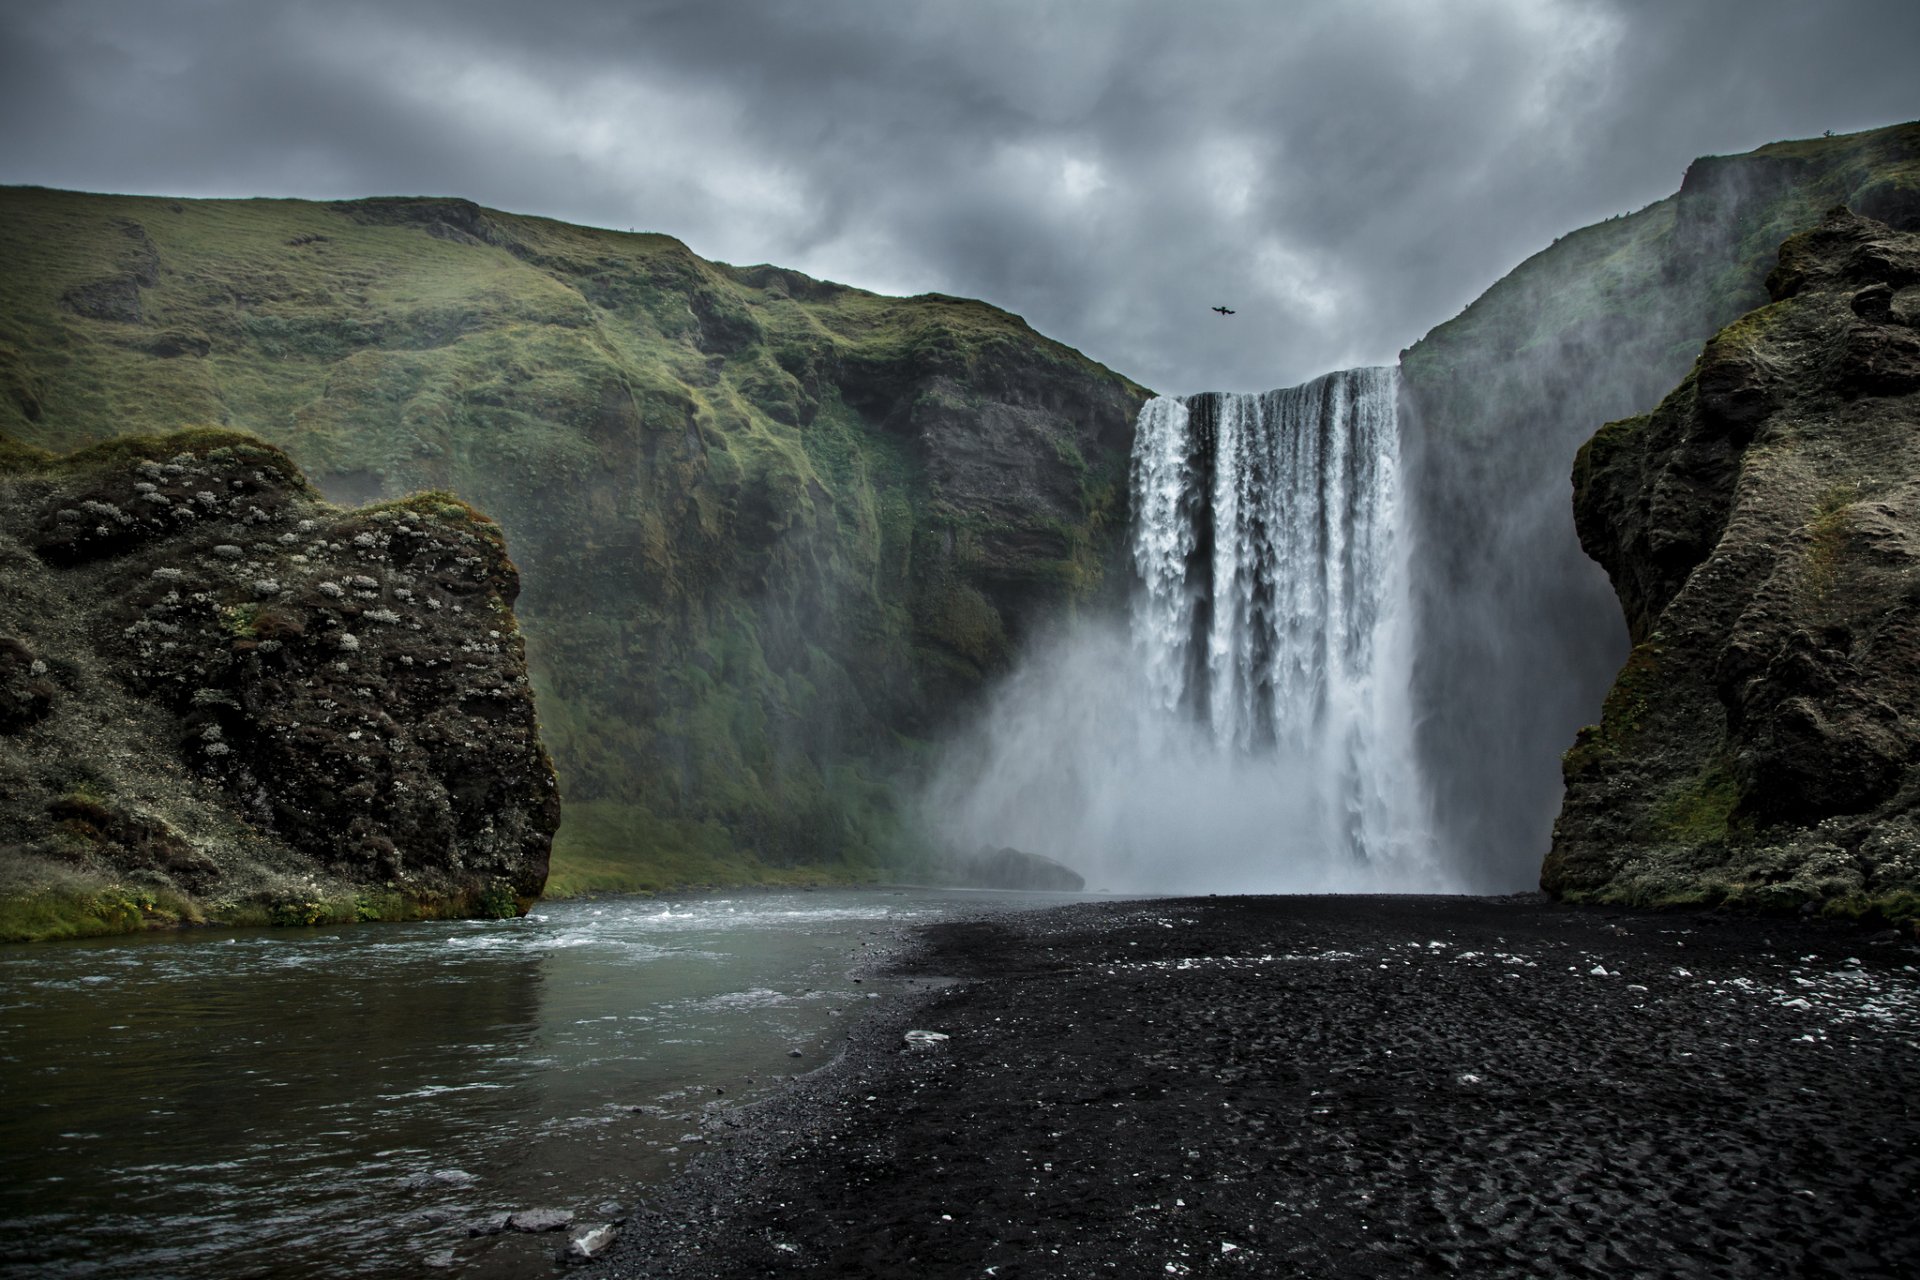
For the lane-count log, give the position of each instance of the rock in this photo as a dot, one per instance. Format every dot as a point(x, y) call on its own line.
point(491, 1224)
point(437, 1179)
point(26, 692)
point(1762, 529)
point(248, 768)
point(590, 1244)
point(926, 1039)
point(537, 1220)
point(1008, 868)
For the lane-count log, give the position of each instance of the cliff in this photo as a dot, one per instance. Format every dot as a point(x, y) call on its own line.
point(1762, 530)
point(775, 531)
point(222, 698)
point(1520, 634)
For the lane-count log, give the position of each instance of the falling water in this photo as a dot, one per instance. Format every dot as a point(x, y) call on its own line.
point(1252, 730)
point(1271, 588)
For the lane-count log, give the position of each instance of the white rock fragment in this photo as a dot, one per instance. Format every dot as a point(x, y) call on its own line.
point(591, 1243)
point(926, 1039)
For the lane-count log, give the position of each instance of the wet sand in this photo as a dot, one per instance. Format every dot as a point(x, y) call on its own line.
point(1340, 1087)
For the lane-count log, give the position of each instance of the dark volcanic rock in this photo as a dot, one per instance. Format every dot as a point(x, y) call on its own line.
point(1762, 529)
point(222, 695)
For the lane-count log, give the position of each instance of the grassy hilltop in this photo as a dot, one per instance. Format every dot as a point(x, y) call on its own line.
point(773, 531)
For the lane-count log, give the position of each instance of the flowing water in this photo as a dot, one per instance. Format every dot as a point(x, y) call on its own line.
point(1248, 727)
point(342, 1102)
point(1273, 592)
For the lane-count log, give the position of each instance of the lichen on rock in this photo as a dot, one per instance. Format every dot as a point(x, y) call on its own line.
point(192, 723)
point(1762, 529)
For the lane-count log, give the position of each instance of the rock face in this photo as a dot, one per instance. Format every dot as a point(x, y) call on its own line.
point(775, 531)
point(1762, 529)
point(1520, 634)
point(222, 697)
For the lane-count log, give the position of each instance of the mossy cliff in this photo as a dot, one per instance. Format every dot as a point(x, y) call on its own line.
point(223, 698)
point(1520, 633)
point(774, 530)
point(1762, 529)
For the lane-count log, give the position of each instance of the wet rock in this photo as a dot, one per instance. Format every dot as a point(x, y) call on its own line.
point(491, 1224)
point(437, 1179)
point(538, 1220)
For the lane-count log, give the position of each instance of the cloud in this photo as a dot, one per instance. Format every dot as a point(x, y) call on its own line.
point(1346, 175)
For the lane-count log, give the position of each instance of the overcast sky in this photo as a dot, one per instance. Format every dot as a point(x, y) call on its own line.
point(1345, 174)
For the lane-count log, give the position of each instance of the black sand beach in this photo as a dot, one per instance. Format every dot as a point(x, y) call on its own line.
point(1340, 1087)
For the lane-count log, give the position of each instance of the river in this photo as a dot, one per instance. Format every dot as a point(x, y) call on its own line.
point(345, 1102)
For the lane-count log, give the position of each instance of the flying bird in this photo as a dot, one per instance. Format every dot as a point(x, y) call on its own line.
point(1225, 311)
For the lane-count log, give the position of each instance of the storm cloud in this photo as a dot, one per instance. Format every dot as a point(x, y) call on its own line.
point(1345, 175)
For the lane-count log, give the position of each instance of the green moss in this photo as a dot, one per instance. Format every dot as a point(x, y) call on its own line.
point(18, 456)
point(202, 441)
point(1699, 810)
point(1827, 532)
point(1622, 716)
point(92, 912)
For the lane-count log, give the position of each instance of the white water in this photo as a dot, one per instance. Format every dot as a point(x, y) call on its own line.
point(1250, 730)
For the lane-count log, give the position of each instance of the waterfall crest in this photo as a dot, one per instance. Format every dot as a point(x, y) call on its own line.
point(1247, 727)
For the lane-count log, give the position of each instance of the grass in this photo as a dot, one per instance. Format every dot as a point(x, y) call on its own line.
point(1827, 534)
point(91, 911)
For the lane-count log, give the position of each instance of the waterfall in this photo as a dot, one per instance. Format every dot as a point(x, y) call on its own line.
point(1247, 728)
point(1272, 590)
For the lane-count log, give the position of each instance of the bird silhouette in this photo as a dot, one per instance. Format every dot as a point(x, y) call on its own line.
point(1225, 311)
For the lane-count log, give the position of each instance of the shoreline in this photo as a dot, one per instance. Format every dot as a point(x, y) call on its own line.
point(1337, 1086)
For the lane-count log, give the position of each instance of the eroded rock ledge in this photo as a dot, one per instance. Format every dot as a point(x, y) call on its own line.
point(223, 698)
point(1762, 529)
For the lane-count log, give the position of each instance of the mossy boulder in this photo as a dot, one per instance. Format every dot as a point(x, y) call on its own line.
point(225, 698)
point(1762, 529)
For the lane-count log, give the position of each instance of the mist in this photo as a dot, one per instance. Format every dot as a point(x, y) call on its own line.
point(1071, 759)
